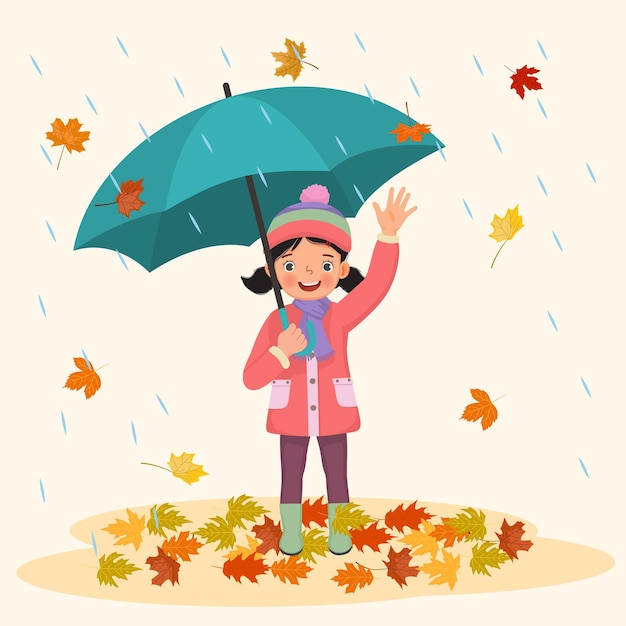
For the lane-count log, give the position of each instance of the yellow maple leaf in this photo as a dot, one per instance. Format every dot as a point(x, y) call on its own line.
point(504, 228)
point(253, 544)
point(128, 532)
point(183, 468)
point(291, 60)
point(422, 542)
point(442, 572)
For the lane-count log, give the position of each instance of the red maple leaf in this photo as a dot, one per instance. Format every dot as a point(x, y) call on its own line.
point(398, 566)
point(250, 567)
point(447, 534)
point(128, 198)
point(522, 78)
point(411, 517)
point(314, 512)
point(166, 566)
point(269, 533)
point(370, 536)
point(511, 540)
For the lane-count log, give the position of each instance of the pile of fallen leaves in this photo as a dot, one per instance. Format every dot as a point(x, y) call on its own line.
point(244, 543)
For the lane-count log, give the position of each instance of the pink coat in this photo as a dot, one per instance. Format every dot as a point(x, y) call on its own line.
point(312, 398)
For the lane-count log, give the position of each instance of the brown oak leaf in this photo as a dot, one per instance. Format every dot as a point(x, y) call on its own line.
point(250, 568)
point(410, 516)
point(269, 534)
point(370, 536)
point(87, 377)
point(522, 79)
point(399, 567)
point(290, 570)
point(511, 540)
point(314, 513)
point(128, 197)
point(182, 546)
point(165, 566)
point(414, 132)
point(353, 576)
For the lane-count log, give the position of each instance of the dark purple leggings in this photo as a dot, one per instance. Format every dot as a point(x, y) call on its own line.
point(334, 451)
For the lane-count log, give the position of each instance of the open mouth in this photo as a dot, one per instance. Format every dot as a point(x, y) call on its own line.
point(309, 286)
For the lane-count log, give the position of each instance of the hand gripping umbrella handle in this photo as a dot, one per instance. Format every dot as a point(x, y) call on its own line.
point(310, 346)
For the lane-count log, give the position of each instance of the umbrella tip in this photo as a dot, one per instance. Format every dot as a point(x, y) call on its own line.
point(227, 92)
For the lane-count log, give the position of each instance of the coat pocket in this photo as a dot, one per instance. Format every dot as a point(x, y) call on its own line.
point(279, 397)
point(344, 392)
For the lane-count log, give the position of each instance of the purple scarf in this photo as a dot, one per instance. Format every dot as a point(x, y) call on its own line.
point(314, 310)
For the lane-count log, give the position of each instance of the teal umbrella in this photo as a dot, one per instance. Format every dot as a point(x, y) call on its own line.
point(201, 173)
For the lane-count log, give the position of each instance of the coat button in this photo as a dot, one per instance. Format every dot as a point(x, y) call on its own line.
point(313, 407)
point(312, 381)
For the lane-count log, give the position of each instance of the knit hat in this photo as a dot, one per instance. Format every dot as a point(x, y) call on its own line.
point(311, 217)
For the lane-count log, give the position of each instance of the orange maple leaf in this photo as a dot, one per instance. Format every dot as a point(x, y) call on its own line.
point(410, 516)
point(447, 534)
point(87, 377)
point(291, 61)
point(181, 547)
point(128, 198)
point(522, 78)
point(314, 512)
point(128, 532)
point(269, 534)
point(290, 570)
point(67, 135)
point(511, 540)
point(165, 566)
point(483, 410)
point(353, 577)
point(370, 536)
point(399, 567)
point(250, 568)
point(414, 132)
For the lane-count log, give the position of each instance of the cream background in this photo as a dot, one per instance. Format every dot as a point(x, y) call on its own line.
point(449, 323)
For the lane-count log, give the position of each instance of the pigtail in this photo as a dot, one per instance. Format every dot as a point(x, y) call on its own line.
point(353, 278)
point(259, 282)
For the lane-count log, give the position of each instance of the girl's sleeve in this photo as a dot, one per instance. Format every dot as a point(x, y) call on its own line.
point(266, 362)
point(367, 295)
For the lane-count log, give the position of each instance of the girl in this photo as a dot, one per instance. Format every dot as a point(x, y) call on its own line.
point(312, 395)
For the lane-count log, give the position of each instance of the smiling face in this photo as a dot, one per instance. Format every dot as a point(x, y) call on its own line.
point(310, 271)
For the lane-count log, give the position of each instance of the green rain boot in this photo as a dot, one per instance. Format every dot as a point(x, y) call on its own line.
point(291, 542)
point(338, 542)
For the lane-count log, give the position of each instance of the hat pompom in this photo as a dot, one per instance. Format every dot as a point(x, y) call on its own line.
point(315, 193)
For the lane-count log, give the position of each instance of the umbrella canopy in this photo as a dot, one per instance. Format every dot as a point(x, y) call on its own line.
point(194, 170)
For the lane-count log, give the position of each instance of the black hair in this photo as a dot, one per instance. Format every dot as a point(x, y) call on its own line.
point(260, 282)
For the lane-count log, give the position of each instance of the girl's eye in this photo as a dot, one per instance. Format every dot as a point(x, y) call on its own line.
point(289, 266)
point(327, 266)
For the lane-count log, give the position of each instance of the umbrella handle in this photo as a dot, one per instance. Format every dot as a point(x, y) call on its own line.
point(310, 329)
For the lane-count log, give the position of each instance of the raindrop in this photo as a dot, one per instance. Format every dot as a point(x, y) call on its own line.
point(358, 193)
point(553, 322)
point(440, 149)
point(43, 308)
point(497, 142)
point(134, 432)
point(93, 543)
point(467, 209)
point(206, 142)
point(193, 221)
point(258, 169)
point(86, 359)
point(42, 490)
point(593, 178)
point(115, 183)
point(543, 52)
point(225, 57)
point(182, 93)
point(155, 517)
point(162, 405)
point(542, 109)
point(267, 117)
point(93, 108)
point(480, 69)
point(417, 91)
point(143, 130)
point(63, 422)
point(558, 243)
point(583, 466)
point(121, 258)
point(50, 230)
point(542, 186)
point(35, 64)
point(122, 46)
point(368, 93)
point(341, 145)
point(295, 51)
point(46, 154)
point(359, 42)
point(585, 386)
